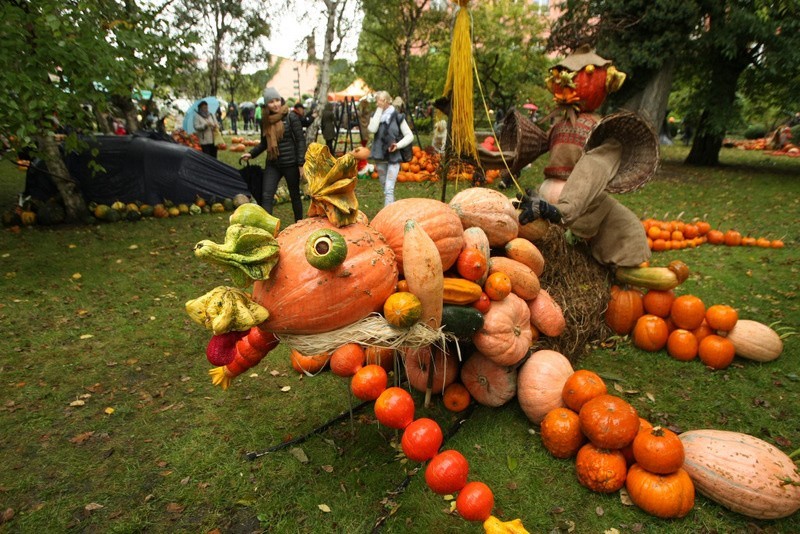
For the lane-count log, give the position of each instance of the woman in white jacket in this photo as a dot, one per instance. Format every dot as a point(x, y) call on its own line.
point(391, 133)
point(204, 125)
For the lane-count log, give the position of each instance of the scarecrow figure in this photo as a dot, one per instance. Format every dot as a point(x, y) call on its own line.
point(590, 157)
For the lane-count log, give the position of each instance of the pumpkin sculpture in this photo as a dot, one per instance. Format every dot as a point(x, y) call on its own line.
point(338, 299)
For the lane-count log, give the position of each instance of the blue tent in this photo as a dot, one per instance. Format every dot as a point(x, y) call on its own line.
point(188, 119)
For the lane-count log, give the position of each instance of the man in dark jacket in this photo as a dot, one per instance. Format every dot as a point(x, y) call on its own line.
point(285, 145)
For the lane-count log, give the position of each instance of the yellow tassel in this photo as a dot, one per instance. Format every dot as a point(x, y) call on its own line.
point(459, 86)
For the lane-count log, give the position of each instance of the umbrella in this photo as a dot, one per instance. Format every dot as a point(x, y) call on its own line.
point(188, 120)
point(245, 105)
point(260, 101)
point(532, 107)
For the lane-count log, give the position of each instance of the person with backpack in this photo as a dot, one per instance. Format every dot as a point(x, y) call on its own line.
point(391, 135)
point(285, 144)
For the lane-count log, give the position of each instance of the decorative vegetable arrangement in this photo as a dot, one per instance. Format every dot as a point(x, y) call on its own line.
point(428, 268)
point(675, 235)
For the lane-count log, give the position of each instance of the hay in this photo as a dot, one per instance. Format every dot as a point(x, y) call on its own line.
point(581, 286)
point(372, 330)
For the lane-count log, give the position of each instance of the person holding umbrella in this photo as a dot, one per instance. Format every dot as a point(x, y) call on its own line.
point(283, 140)
point(204, 125)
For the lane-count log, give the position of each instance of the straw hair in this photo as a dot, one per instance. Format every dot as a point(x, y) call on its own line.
point(640, 153)
point(459, 86)
point(373, 330)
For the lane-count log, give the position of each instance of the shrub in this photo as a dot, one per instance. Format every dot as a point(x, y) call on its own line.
point(423, 125)
point(755, 131)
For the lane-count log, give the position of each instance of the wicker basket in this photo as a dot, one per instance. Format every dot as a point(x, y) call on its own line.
point(640, 154)
point(521, 141)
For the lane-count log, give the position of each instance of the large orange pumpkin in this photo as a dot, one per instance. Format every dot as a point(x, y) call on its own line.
point(489, 384)
point(601, 470)
point(609, 421)
point(438, 220)
point(304, 300)
point(665, 496)
point(540, 382)
point(506, 333)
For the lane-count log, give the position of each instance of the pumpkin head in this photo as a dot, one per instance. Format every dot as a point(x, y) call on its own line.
point(303, 299)
point(506, 333)
point(664, 496)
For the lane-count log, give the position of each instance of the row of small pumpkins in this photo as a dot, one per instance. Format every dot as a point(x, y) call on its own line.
point(614, 448)
point(133, 211)
point(683, 325)
point(675, 235)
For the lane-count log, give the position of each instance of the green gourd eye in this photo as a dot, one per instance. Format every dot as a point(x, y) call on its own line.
point(326, 249)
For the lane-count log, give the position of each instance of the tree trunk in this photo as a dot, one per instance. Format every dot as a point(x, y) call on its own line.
point(651, 102)
point(715, 116)
point(324, 81)
point(74, 204)
point(706, 145)
point(102, 121)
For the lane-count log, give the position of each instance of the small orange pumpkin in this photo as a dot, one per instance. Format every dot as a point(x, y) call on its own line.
point(581, 387)
point(561, 433)
point(650, 333)
point(601, 470)
point(658, 450)
point(489, 384)
point(609, 421)
point(624, 309)
point(664, 496)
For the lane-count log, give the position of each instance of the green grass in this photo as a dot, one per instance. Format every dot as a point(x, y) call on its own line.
point(170, 458)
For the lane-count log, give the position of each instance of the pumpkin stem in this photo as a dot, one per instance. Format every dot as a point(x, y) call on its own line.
point(795, 453)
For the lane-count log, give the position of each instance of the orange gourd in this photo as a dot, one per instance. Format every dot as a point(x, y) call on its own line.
point(546, 315)
point(524, 282)
point(582, 386)
point(418, 361)
point(716, 351)
point(609, 422)
point(525, 252)
point(665, 496)
point(600, 470)
point(650, 333)
point(497, 286)
point(309, 365)
point(471, 264)
point(423, 272)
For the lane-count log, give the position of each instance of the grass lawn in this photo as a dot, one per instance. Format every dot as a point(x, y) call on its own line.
point(109, 422)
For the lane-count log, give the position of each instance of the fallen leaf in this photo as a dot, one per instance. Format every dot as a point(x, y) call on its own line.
point(175, 508)
point(253, 375)
point(185, 480)
point(133, 247)
point(92, 506)
point(109, 410)
point(651, 397)
point(77, 403)
point(76, 276)
point(511, 462)
point(624, 498)
point(8, 515)
point(599, 511)
point(327, 468)
point(324, 507)
point(149, 497)
point(299, 453)
point(286, 388)
point(72, 245)
point(275, 373)
point(165, 473)
point(86, 336)
point(618, 387)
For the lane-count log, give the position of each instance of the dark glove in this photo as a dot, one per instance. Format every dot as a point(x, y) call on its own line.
point(534, 208)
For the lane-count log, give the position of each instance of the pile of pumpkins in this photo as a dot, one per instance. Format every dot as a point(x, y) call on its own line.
point(675, 235)
point(239, 144)
point(425, 166)
point(659, 319)
point(133, 211)
point(34, 211)
point(614, 447)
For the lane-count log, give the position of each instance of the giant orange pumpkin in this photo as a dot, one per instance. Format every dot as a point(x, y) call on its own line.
point(302, 299)
point(439, 221)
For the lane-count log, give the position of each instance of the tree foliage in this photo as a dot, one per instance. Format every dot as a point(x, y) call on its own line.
point(721, 49)
point(62, 60)
point(230, 34)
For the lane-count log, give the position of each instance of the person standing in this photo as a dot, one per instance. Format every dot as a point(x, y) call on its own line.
point(392, 133)
point(233, 114)
point(328, 126)
point(300, 110)
point(204, 125)
point(257, 115)
point(283, 140)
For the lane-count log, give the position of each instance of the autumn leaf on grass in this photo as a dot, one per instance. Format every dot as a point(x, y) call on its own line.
point(324, 507)
point(81, 438)
point(175, 508)
point(332, 185)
